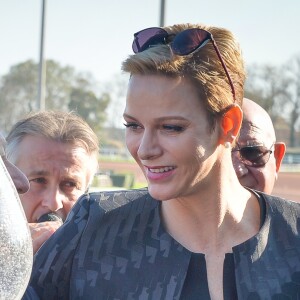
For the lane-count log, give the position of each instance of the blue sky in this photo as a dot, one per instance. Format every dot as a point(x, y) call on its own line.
point(96, 35)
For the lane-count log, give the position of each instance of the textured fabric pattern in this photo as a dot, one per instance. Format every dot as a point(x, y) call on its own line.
point(268, 265)
point(113, 246)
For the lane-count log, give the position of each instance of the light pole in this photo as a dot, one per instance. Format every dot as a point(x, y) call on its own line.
point(162, 13)
point(42, 63)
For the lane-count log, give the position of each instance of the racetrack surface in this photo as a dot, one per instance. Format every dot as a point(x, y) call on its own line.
point(288, 186)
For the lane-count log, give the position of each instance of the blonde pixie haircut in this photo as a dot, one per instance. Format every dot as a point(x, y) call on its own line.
point(202, 67)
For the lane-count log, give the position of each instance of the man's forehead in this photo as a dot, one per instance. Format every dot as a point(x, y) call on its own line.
point(257, 121)
point(253, 128)
point(253, 132)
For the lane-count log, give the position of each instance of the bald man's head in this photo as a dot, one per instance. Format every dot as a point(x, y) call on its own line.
point(260, 168)
point(256, 119)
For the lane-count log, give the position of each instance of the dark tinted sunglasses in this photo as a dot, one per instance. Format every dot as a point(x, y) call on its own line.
point(184, 43)
point(254, 156)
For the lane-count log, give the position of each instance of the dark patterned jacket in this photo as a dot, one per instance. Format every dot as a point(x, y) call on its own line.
point(113, 246)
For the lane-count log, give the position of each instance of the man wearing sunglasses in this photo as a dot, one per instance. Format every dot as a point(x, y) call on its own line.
point(257, 156)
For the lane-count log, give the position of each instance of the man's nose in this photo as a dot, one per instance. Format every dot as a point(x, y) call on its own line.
point(53, 199)
point(19, 179)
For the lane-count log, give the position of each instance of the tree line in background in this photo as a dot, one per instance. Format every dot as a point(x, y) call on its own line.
point(65, 90)
point(276, 88)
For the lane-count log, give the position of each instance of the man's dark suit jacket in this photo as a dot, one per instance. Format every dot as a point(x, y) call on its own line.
point(114, 246)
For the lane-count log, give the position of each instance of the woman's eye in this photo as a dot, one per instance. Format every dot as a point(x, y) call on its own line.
point(175, 128)
point(133, 126)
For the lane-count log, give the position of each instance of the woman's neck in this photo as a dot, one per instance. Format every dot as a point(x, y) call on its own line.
point(214, 219)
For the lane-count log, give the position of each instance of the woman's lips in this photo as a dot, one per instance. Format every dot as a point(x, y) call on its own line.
point(159, 173)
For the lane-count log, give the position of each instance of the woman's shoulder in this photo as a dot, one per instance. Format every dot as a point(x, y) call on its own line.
point(93, 213)
point(110, 200)
point(281, 204)
point(283, 213)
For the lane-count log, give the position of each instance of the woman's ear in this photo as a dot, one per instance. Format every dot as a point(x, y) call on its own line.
point(231, 123)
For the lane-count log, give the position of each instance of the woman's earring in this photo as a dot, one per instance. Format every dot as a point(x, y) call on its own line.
point(227, 145)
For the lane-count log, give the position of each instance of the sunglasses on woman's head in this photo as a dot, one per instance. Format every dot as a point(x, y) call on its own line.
point(184, 43)
point(254, 156)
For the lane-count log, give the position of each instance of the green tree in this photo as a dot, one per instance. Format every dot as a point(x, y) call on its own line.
point(292, 98)
point(116, 88)
point(64, 89)
point(267, 85)
point(277, 90)
point(92, 108)
point(18, 91)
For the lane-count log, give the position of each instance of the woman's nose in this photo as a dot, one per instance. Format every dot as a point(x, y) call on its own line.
point(149, 146)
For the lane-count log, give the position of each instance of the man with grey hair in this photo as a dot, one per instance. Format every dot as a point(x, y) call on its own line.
point(58, 152)
point(257, 155)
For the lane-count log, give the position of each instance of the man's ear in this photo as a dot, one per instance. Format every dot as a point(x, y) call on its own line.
point(279, 151)
point(231, 123)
